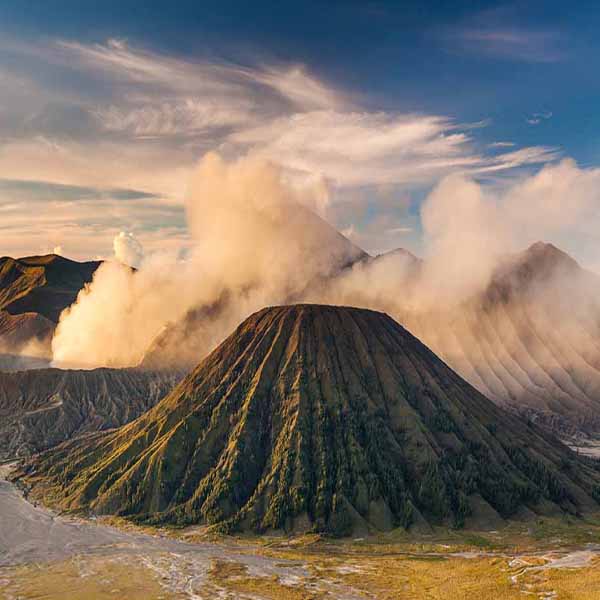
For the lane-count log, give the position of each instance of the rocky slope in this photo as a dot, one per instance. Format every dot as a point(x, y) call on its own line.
point(319, 418)
point(33, 292)
point(41, 408)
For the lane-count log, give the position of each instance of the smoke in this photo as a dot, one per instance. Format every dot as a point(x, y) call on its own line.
point(257, 242)
point(128, 249)
point(465, 235)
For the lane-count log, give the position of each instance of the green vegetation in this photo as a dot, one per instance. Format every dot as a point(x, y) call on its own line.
point(319, 419)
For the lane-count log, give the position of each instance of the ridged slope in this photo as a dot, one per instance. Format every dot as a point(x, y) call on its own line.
point(531, 341)
point(528, 341)
point(324, 418)
point(42, 408)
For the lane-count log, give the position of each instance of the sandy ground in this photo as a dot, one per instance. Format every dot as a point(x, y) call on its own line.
point(591, 448)
point(29, 534)
point(58, 545)
point(32, 535)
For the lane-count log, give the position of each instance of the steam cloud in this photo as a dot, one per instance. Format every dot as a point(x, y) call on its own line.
point(257, 243)
point(128, 249)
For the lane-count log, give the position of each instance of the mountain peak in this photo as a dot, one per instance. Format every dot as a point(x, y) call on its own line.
point(34, 290)
point(545, 251)
point(541, 262)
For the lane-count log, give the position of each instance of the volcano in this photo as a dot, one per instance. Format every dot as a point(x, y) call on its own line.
point(319, 418)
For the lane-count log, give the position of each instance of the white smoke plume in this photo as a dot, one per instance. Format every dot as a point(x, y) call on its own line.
point(257, 244)
point(128, 250)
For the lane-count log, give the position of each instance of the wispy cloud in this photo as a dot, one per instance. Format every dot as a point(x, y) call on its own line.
point(372, 148)
point(37, 215)
point(126, 119)
point(20, 189)
point(537, 118)
point(513, 43)
point(501, 145)
point(165, 95)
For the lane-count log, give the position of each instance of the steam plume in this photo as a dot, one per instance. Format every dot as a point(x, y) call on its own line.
point(257, 244)
point(128, 250)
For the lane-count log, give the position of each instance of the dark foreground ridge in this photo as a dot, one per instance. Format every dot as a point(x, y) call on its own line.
point(44, 407)
point(319, 418)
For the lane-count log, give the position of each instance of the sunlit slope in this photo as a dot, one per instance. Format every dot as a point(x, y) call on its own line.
point(325, 418)
point(34, 291)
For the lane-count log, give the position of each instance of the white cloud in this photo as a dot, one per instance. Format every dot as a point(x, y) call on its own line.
point(354, 148)
point(242, 90)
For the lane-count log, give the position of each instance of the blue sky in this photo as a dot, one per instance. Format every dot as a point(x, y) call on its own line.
point(107, 106)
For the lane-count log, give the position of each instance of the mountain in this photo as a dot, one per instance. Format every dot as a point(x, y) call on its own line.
point(33, 292)
point(41, 408)
point(319, 418)
point(529, 341)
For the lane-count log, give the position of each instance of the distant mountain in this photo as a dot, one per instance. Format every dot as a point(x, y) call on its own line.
point(530, 340)
point(319, 418)
point(401, 253)
point(33, 292)
point(41, 408)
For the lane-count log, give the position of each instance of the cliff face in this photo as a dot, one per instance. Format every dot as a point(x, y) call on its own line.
point(318, 418)
point(41, 408)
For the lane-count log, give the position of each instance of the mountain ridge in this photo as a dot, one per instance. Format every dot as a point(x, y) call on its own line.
point(34, 290)
point(43, 407)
